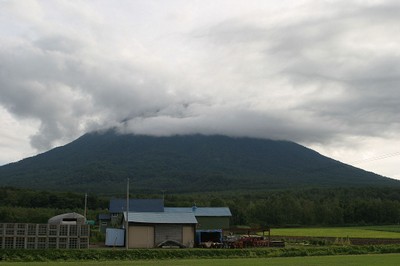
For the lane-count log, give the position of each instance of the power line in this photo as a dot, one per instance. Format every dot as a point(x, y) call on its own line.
point(376, 158)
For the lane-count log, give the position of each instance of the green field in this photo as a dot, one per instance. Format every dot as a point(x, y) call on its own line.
point(368, 260)
point(391, 231)
point(387, 228)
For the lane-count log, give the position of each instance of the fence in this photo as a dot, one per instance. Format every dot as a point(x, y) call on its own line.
point(43, 236)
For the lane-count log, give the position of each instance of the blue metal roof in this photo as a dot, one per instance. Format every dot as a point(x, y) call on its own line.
point(201, 211)
point(161, 217)
point(104, 216)
point(137, 205)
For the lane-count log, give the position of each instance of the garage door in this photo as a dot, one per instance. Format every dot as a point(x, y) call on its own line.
point(188, 235)
point(168, 232)
point(141, 237)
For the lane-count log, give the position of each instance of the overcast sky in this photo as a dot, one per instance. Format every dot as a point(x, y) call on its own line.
point(324, 74)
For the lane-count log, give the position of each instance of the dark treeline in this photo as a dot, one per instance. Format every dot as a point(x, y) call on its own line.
point(28, 198)
point(32, 206)
point(306, 207)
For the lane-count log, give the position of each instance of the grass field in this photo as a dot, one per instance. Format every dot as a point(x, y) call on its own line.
point(392, 231)
point(367, 260)
point(386, 228)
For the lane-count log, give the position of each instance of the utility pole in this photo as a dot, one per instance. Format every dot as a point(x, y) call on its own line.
point(163, 195)
point(85, 211)
point(127, 216)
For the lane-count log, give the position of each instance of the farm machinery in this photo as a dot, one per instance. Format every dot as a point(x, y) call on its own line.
point(237, 238)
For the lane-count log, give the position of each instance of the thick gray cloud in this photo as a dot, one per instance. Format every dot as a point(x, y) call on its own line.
point(340, 65)
point(315, 72)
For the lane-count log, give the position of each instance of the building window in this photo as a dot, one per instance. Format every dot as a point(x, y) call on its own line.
point(52, 242)
point(20, 242)
point(30, 243)
point(63, 230)
point(9, 242)
point(42, 229)
point(73, 243)
point(31, 229)
point(41, 242)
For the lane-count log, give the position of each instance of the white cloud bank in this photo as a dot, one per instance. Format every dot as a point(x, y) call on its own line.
point(321, 73)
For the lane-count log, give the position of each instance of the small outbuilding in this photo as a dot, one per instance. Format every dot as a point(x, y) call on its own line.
point(115, 237)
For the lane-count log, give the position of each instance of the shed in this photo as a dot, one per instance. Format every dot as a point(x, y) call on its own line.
point(149, 229)
point(115, 237)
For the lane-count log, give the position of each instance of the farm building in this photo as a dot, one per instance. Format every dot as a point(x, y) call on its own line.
point(208, 218)
point(118, 206)
point(151, 229)
point(150, 223)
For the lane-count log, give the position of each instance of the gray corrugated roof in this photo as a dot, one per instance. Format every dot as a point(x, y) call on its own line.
point(201, 211)
point(137, 205)
point(162, 217)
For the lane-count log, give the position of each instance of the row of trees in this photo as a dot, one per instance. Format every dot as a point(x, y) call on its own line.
point(28, 198)
point(307, 207)
point(32, 206)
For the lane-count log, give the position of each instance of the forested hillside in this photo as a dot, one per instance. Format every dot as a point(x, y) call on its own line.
point(304, 207)
point(101, 163)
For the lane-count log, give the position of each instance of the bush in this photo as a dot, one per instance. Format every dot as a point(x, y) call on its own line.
point(97, 237)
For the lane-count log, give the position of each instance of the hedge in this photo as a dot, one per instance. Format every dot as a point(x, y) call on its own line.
point(162, 254)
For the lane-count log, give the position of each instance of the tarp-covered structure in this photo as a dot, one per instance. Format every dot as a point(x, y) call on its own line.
point(68, 218)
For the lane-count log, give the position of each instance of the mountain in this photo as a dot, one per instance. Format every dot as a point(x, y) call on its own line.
point(102, 162)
